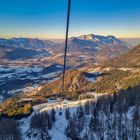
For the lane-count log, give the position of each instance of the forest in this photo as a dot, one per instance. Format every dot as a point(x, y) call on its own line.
point(115, 117)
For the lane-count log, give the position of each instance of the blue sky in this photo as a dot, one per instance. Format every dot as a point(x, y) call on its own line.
point(47, 18)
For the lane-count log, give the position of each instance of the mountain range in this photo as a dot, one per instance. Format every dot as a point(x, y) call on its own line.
point(14, 53)
point(24, 48)
point(98, 100)
point(101, 47)
point(85, 48)
point(91, 49)
point(26, 43)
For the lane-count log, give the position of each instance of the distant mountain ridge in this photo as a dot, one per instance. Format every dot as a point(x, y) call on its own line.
point(24, 48)
point(98, 40)
point(98, 48)
point(89, 39)
point(27, 43)
point(94, 43)
point(83, 49)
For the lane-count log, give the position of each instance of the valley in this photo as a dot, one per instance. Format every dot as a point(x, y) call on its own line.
point(17, 79)
point(101, 87)
point(69, 70)
point(26, 63)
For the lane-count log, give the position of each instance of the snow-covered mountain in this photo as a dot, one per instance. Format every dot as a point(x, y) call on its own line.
point(96, 41)
point(27, 43)
point(24, 48)
point(81, 50)
point(95, 48)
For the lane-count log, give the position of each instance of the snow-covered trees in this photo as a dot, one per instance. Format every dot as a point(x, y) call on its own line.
point(53, 115)
point(111, 117)
point(40, 124)
point(108, 117)
point(136, 123)
point(71, 130)
point(9, 130)
point(67, 114)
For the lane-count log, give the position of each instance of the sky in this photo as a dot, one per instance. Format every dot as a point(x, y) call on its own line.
point(47, 18)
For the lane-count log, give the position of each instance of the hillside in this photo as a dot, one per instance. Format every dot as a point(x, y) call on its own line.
point(77, 85)
point(103, 113)
point(75, 82)
point(129, 59)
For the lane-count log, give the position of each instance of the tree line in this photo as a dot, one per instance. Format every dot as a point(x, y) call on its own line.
point(115, 117)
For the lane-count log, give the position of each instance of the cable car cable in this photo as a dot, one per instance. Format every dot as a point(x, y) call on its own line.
point(66, 44)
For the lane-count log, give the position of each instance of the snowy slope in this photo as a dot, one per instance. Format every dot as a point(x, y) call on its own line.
point(57, 130)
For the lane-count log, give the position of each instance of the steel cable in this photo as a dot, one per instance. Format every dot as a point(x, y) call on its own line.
point(66, 45)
